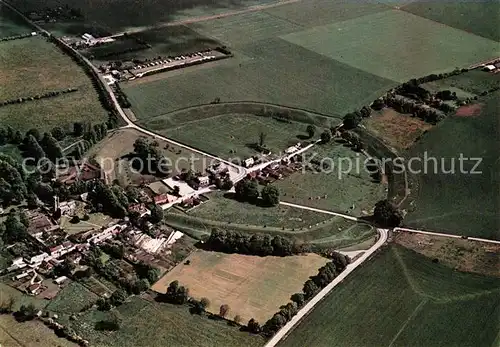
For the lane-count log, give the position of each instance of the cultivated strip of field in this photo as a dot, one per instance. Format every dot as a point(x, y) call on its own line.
point(418, 47)
point(480, 18)
point(252, 286)
point(404, 299)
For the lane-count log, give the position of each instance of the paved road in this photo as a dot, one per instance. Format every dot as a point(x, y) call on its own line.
point(444, 235)
point(283, 332)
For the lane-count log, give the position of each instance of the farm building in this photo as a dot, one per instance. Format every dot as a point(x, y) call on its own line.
point(248, 162)
point(489, 68)
point(204, 181)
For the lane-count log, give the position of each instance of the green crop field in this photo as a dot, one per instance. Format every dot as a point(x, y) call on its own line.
point(172, 326)
point(313, 13)
point(474, 82)
point(404, 299)
point(464, 203)
point(340, 186)
point(477, 17)
point(272, 71)
point(416, 48)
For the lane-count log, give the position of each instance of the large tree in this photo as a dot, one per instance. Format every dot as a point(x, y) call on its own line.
point(156, 214)
point(33, 148)
point(270, 195)
point(387, 214)
point(51, 147)
point(247, 190)
point(351, 120)
point(311, 129)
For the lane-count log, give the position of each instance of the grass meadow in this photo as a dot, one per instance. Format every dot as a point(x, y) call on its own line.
point(425, 46)
point(330, 231)
point(172, 326)
point(252, 286)
point(404, 299)
point(345, 183)
point(33, 66)
point(460, 203)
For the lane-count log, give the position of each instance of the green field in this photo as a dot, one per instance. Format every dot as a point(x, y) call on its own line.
point(172, 326)
point(330, 231)
point(225, 209)
point(345, 182)
point(128, 14)
point(34, 66)
point(10, 25)
point(404, 299)
point(272, 71)
point(460, 203)
point(416, 48)
point(477, 17)
point(473, 82)
point(234, 135)
point(313, 13)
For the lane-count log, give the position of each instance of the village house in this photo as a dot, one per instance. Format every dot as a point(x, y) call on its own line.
point(80, 172)
point(204, 181)
point(248, 162)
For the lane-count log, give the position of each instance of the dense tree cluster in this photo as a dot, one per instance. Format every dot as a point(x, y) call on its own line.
point(351, 120)
point(12, 181)
point(248, 190)
point(407, 105)
point(108, 199)
point(151, 158)
point(121, 96)
point(176, 294)
point(387, 214)
point(325, 275)
point(255, 244)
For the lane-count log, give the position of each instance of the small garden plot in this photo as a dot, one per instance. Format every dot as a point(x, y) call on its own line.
point(252, 286)
point(73, 298)
point(400, 131)
point(343, 185)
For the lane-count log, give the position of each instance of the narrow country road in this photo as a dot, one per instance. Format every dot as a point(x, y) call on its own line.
point(319, 210)
point(283, 332)
point(444, 235)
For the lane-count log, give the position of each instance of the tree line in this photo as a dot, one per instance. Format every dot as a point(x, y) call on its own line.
point(325, 275)
point(255, 244)
point(46, 95)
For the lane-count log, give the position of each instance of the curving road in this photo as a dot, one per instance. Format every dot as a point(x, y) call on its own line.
point(283, 332)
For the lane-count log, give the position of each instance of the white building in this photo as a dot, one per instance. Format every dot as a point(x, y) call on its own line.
point(249, 162)
point(60, 280)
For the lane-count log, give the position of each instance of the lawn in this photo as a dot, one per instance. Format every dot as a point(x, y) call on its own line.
point(473, 82)
point(252, 286)
point(272, 71)
point(20, 298)
point(478, 17)
point(229, 210)
point(72, 299)
point(463, 202)
point(172, 326)
point(96, 221)
point(418, 47)
point(398, 130)
point(235, 135)
point(404, 299)
point(344, 184)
